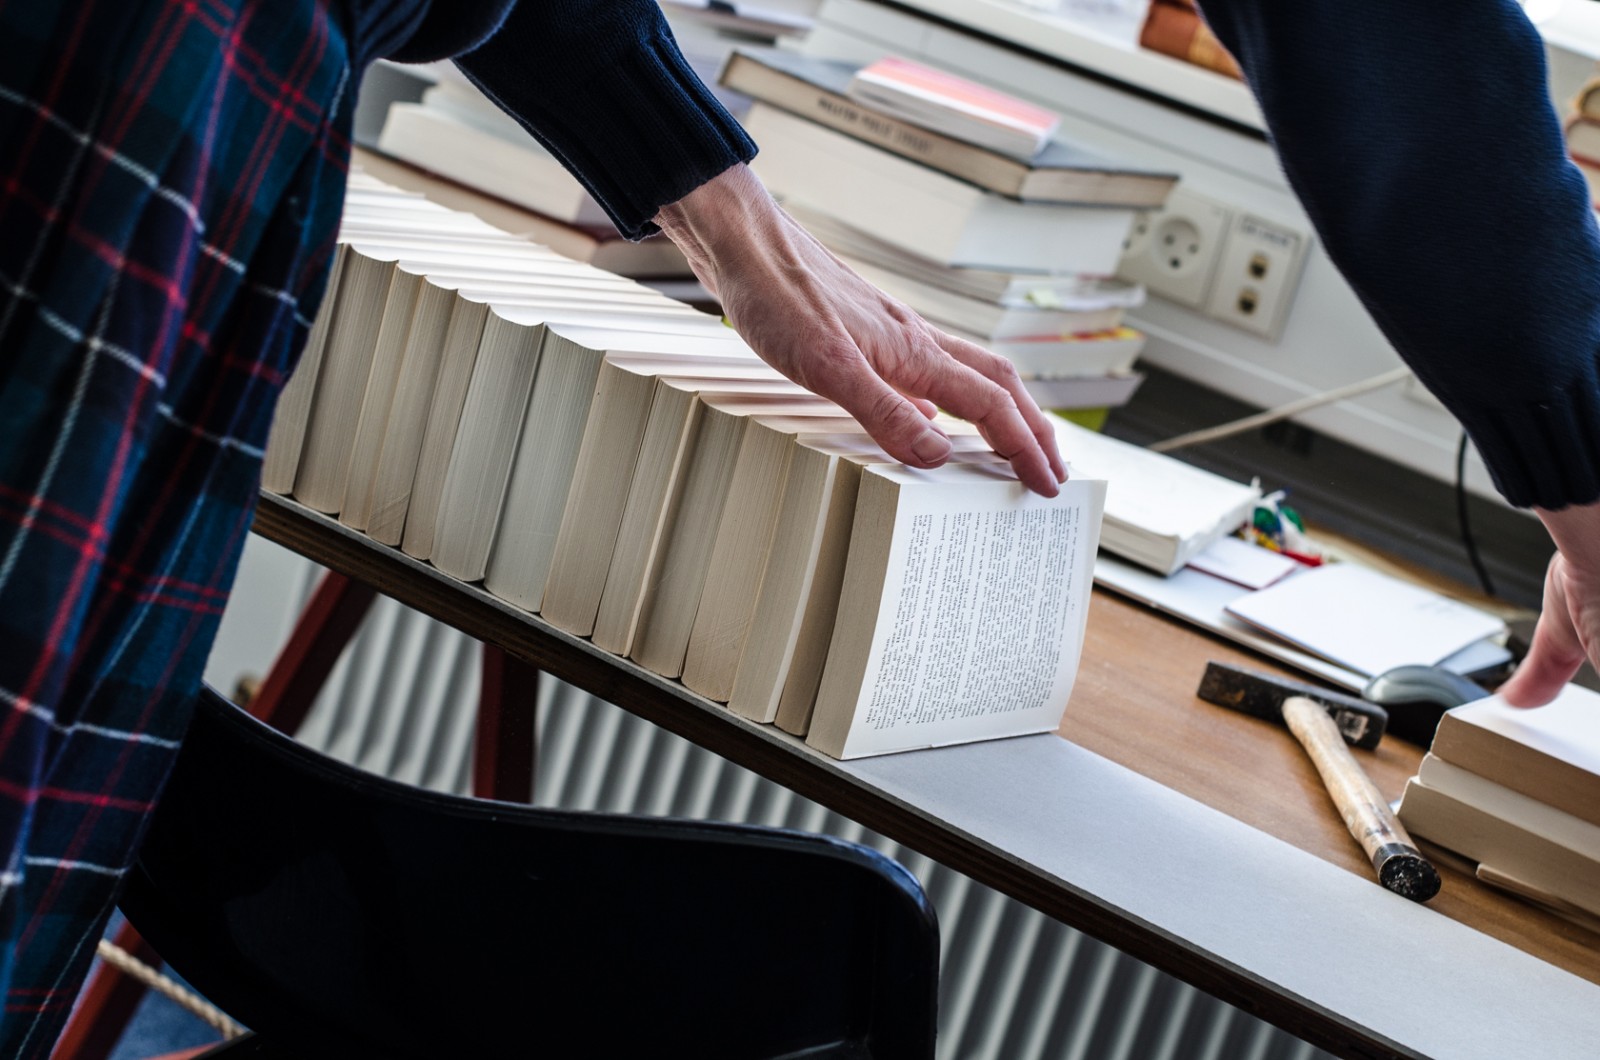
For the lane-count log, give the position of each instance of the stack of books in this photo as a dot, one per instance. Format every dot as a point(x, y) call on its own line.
point(656, 261)
point(1518, 792)
point(935, 190)
point(626, 467)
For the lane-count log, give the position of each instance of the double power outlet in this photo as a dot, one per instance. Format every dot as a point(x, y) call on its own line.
point(1229, 264)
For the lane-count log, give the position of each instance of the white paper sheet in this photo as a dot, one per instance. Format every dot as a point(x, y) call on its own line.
point(1365, 620)
point(1242, 563)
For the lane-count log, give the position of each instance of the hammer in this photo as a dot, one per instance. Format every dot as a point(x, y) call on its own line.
point(1324, 722)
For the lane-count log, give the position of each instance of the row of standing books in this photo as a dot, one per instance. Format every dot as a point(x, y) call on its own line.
point(624, 466)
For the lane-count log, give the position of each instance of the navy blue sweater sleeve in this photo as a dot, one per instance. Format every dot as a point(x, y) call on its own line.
point(1421, 139)
point(602, 84)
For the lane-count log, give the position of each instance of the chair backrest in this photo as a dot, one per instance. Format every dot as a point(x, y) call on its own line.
point(345, 914)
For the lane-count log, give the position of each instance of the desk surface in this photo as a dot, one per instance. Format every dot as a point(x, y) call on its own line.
point(1193, 838)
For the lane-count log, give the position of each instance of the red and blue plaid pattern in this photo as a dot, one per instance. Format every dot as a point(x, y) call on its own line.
point(172, 174)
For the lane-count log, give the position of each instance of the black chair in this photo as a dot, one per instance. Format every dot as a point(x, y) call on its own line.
point(336, 913)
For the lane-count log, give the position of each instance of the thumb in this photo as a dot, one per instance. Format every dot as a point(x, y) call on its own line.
point(1541, 676)
point(1556, 651)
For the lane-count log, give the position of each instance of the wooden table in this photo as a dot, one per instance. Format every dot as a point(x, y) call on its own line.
point(1191, 837)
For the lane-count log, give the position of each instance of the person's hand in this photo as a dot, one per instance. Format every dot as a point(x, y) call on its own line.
point(809, 316)
point(1569, 624)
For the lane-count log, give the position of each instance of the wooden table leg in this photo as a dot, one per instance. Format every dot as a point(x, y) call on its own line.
point(328, 624)
point(508, 706)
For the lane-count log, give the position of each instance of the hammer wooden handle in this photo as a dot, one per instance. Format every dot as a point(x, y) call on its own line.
point(1400, 865)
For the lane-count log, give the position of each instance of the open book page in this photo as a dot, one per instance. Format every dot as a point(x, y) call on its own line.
point(979, 625)
point(1364, 619)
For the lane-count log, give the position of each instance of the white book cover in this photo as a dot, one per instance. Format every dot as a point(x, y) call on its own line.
point(1511, 807)
point(1364, 619)
point(927, 212)
point(1566, 729)
point(1159, 510)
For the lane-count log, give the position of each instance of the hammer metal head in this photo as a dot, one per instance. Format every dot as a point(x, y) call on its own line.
point(1261, 695)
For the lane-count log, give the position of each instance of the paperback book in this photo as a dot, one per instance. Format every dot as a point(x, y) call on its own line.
point(943, 102)
point(1059, 171)
point(962, 613)
point(926, 212)
point(1159, 510)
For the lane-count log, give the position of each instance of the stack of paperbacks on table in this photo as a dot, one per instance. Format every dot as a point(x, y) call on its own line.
point(624, 465)
point(1518, 792)
point(500, 172)
point(1012, 253)
point(1160, 512)
point(1583, 135)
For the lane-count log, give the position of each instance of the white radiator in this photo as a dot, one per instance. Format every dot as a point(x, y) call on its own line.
point(1016, 985)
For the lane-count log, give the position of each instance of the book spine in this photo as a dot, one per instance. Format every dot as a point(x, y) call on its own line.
point(842, 114)
point(285, 442)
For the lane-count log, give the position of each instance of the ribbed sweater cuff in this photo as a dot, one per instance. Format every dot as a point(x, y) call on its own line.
point(624, 112)
point(1545, 454)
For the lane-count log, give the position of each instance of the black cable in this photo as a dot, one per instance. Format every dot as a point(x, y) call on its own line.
point(1466, 525)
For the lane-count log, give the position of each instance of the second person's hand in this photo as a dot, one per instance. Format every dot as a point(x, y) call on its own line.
point(1569, 623)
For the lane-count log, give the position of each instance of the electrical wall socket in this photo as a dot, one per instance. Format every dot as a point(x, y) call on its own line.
point(1256, 275)
point(1173, 251)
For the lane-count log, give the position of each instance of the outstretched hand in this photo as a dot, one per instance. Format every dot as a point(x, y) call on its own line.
point(1569, 624)
point(809, 316)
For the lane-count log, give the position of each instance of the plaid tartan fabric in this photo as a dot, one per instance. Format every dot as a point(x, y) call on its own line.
point(173, 171)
